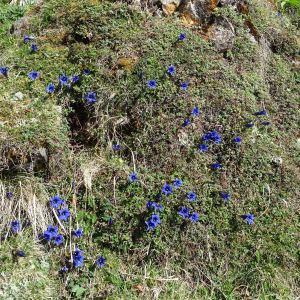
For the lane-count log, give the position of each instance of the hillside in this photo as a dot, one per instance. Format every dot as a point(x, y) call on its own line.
point(149, 149)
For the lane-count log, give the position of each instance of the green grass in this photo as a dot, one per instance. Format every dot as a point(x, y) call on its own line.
point(220, 257)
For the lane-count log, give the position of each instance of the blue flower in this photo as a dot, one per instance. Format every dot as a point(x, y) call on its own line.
point(249, 218)
point(203, 148)
point(266, 123)
point(154, 205)
point(153, 222)
point(20, 253)
point(182, 37)
point(133, 177)
point(9, 195)
point(50, 88)
point(167, 189)
point(237, 139)
point(184, 212)
point(47, 236)
point(184, 86)
point(58, 239)
point(34, 48)
point(261, 113)
point(216, 166)
point(249, 125)
point(87, 72)
point(78, 232)
point(64, 269)
point(195, 111)
point(152, 84)
point(4, 71)
point(91, 97)
point(100, 262)
point(212, 136)
point(78, 258)
point(225, 196)
point(56, 202)
point(52, 230)
point(64, 214)
point(116, 147)
point(191, 196)
point(33, 75)
point(75, 78)
point(15, 226)
point(110, 221)
point(177, 183)
point(63, 79)
point(27, 39)
point(171, 70)
point(194, 217)
point(186, 122)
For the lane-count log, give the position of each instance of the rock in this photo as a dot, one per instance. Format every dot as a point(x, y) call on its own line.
point(221, 33)
point(200, 11)
point(170, 6)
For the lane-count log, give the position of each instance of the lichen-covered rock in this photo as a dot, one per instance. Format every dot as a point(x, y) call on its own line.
point(221, 33)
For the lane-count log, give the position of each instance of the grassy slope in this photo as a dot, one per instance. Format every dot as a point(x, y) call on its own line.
point(220, 257)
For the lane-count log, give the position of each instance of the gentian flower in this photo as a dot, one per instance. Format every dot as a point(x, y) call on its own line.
point(58, 239)
point(152, 84)
point(171, 70)
point(63, 79)
point(249, 218)
point(184, 86)
point(64, 214)
point(56, 202)
point(4, 71)
point(150, 225)
point(15, 226)
point(27, 39)
point(265, 123)
point(194, 217)
point(133, 177)
point(249, 125)
point(78, 258)
point(116, 147)
point(203, 148)
point(186, 122)
point(155, 219)
point(167, 189)
point(100, 262)
point(225, 196)
point(50, 88)
point(34, 48)
point(87, 72)
point(110, 221)
point(195, 111)
point(261, 113)
point(212, 136)
point(33, 75)
point(64, 269)
point(47, 236)
point(154, 205)
point(75, 78)
point(52, 231)
point(153, 222)
point(184, 212)
point(9, 195)
point(182, 37)
point(216, 166)
point(237, 139)
point(191, 196)
point(177, 183)
point(77, 233)
point(91, 97)
point(20, 253)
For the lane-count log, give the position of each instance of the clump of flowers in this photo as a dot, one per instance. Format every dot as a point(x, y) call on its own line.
point(15, 226)
point(212, 136)
point(184, 212)
point(153, 222)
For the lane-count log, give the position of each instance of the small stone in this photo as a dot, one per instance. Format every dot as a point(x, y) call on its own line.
point(19, 96)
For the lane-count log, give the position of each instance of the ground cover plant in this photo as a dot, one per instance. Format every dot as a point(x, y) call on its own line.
point(141, 160)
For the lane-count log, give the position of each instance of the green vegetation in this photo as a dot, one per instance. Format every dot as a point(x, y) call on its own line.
point(57, 144)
